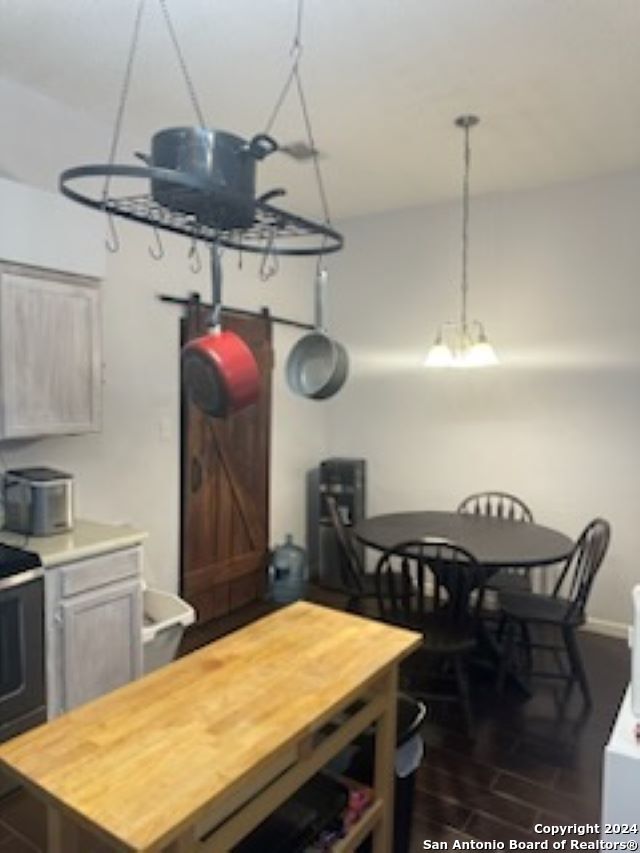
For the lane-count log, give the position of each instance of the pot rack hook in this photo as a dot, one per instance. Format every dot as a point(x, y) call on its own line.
point(269, 265)
point(157, 251)
point(195, 262)
point(113, 241)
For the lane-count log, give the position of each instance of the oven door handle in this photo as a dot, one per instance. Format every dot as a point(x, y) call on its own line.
point(21, 578)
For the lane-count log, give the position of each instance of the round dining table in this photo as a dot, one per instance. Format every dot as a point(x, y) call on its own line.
point(495, 542)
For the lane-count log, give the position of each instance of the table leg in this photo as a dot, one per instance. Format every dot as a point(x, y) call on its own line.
point(184, 844)
point(54, 831)
point(384, 774)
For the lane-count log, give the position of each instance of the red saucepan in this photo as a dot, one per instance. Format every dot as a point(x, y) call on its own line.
point(218, 368)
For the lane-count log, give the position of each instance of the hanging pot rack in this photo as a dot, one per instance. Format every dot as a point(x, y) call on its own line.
point(273, 231)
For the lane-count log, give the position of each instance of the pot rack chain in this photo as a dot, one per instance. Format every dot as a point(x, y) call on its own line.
point(295, 76)
point(183, 64)
point(296, 52)
point(113, 243)
point(126, 83)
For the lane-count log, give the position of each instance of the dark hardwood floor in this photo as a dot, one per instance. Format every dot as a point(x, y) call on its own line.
point(531, 760)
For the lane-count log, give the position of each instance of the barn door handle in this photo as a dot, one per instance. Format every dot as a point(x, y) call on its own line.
point(196, 474)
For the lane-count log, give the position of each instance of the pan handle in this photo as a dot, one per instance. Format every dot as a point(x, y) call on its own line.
point(216, 286)
point(260, 146)
point(320, 293)
point(147, 159)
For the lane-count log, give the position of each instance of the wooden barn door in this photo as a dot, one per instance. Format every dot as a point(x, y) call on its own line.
point(225, 485)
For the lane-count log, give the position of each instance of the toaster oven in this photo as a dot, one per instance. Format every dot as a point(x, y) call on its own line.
point(38, 501)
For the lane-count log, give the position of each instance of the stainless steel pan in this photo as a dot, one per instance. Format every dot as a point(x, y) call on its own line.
point(317, 366)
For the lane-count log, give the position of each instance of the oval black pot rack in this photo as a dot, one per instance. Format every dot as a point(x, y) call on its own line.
point(273, 231)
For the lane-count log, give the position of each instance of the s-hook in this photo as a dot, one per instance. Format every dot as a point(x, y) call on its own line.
point(112, 241)
point(157, 251)
point(195, 262)
point(269, 265)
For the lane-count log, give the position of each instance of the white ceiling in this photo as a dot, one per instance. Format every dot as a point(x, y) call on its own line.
point(555, 82)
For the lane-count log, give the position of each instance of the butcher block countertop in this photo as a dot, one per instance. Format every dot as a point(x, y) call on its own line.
point(160, 753)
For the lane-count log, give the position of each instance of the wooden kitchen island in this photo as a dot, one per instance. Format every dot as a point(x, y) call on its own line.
point(194, 756)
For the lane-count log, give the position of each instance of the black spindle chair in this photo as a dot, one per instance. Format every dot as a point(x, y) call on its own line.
point(435, 587)
point(355, 583)
point(501, 505)
point(564, 610)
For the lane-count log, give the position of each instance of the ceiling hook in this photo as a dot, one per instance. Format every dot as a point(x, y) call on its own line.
point(157, 251)
point(269, 265)
point(195, 262)
point(112, 242)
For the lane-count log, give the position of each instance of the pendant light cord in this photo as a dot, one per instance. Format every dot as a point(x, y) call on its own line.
point(295, 76)
point(465, 227)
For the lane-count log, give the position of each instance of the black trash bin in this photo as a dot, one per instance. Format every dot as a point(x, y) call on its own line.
point(410, 716)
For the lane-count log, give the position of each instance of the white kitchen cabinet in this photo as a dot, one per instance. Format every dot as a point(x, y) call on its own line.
point(94, 627)
point(48, 231)
point(50, 355)
point(99, 649)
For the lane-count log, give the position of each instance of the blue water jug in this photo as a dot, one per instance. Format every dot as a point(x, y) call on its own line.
point(287, 571)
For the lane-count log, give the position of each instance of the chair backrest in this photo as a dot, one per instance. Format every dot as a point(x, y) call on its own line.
point(496, 505)
point(579, 572)
point(405, 595)
point(351, 568)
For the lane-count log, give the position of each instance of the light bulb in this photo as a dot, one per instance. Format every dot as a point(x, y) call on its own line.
point(481, 354)
point(439, 355)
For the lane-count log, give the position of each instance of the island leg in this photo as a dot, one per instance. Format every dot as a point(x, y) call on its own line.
point(184, 844)
point(54, 831)
point(385, 772)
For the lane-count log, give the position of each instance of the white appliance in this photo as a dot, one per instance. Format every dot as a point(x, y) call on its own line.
point(634, 640)
point(621, 782)
point(38, 501)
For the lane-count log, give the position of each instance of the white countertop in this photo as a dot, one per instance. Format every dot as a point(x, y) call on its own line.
point(87, 539)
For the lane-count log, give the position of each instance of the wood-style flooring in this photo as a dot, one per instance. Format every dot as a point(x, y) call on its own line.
point(530, 760)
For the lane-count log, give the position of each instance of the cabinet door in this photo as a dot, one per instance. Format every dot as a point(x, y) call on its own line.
point(50, 356)
point(101, 641)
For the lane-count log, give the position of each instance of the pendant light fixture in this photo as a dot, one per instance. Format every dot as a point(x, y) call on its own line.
point(462, 343)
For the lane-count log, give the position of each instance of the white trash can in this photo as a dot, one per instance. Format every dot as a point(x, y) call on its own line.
point(165, 618)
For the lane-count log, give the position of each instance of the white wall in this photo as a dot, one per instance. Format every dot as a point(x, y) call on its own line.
point(554, 277)
point(129, 472)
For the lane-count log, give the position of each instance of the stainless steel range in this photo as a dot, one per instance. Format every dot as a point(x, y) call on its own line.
point(22, 684)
